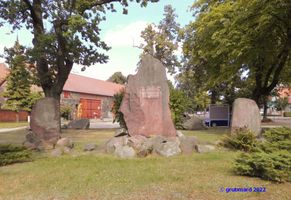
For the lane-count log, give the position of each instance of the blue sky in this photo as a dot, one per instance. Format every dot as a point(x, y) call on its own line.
point(120, 32)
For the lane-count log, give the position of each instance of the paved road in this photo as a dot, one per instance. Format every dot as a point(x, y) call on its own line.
point(11, 129)
point(103, 124)
point(278, 121)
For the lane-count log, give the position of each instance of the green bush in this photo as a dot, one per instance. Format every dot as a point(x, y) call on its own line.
point(273, 166)
point(276, 139)
point(13, 154)
point(118, 116)
point(179, 103)
point(66, 111)
point(242, 139)
point(270, 159)
point(287, 114)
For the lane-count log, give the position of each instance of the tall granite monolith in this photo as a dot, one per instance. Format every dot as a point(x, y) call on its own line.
point(246, 114)
point(145, 105)
point(45, 116)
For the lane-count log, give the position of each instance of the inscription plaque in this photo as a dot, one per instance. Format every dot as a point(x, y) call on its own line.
point(150, 92)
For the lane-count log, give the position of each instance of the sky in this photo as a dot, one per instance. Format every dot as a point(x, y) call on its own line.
point(120, 32)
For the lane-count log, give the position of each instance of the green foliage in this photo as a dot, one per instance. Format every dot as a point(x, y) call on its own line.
point(13, 154)
point(18, 84)
point(242, 139)
point(276, 139)
point(281, 103)
point(64, 33)
point(287, 114)
point(118, 115)
point(118, 78)
point(232, 38)
point(271, 159)
point(161, 41)
point(66, 111)
point(179, 104)
point(273, 166)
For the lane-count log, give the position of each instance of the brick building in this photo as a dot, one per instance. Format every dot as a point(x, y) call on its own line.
point(87, 97)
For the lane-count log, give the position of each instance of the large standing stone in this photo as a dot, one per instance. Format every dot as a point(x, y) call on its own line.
point(45, 116)
point(145, 105)
point(245, 113)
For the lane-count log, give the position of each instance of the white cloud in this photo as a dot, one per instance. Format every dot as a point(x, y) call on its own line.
point(126, 36)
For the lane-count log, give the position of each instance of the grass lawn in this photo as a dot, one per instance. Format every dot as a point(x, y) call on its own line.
point(98, 176)
point(12, 124)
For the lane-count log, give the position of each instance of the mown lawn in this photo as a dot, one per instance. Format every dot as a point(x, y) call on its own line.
point(98, 176)
point(12, 124)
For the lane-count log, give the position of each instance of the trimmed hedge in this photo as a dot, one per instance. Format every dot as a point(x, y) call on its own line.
point(13, 154)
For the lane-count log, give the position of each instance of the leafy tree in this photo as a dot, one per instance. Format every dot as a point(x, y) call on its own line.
point(17, 92)
point(64, 32)
point(161, 41)
point(229, 38)
point(118, 78)
point(118, 115)
point(179, 104)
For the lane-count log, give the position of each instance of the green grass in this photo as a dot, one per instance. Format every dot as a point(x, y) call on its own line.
point(99, 176)
point(12, 124)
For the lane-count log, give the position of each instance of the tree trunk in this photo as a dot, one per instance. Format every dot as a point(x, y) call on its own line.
point(265, 108)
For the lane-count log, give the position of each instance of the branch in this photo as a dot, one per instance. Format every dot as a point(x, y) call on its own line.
point(30, 7)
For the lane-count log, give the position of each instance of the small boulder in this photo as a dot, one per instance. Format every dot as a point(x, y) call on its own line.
point(194, 123)
point(115, 142)
point(204, 148)
point(169, 148)
point(138, 143)
point(65, 142)
point(56, 152)
point(188, 144)
point(120, 132)
point(180, 134)
point(32, 138)
point(30, 146)
point(90, 147)
point(125, 152)
point(79, 124)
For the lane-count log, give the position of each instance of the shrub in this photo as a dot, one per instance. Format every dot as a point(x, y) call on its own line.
point(273, 166)
point(243, 140)
point(179, 103)
point(66, 111)
point(118, 116)
point(276, 139)
point(270, 159)
point(287, 114)
point(13, 154)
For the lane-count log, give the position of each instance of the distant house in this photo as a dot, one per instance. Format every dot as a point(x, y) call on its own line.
point(4, 72)
point(286, 92)
point(87, 97)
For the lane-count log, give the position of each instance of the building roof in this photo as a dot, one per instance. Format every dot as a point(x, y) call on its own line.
point(82, 84)
point(4, 71)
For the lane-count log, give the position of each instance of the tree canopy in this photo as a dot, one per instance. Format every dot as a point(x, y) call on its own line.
point(251, 41)
point(118, 78)
point(161, 41)
point(18, 90)
point(64, 32)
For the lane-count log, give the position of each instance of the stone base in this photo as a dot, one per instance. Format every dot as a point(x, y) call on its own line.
point(141, 146)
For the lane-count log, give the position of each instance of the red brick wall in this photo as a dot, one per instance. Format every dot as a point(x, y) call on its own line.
point(10, 116)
